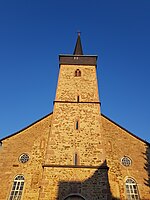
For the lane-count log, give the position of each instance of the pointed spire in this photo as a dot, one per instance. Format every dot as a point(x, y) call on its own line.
point(78, 48)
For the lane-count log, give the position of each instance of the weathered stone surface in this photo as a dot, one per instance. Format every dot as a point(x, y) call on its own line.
point(54, 142)
point(32, 141)
point(120, 143)
point(89, 183)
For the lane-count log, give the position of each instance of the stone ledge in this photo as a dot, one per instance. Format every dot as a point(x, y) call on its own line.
point(76, 166)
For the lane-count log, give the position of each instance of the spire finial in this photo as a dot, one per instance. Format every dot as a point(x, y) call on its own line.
point(78, 48)
point(79, 33)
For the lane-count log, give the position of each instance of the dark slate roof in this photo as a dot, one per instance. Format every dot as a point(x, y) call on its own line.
point(77, 58)
point(78, 48)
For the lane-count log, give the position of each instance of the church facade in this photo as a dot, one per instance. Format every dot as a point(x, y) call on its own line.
point(75, 152)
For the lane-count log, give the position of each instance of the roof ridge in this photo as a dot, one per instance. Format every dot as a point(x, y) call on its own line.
point(25, 127)
point(126, 130)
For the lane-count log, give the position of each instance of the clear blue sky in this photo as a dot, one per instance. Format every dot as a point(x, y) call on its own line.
point(34, 32)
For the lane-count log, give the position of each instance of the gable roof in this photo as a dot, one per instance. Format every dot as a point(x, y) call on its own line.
point(125, 129)
point(26, 127)
point(101, 115)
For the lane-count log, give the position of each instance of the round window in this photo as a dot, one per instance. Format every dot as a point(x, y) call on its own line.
point(24, 158)
point(126, 161)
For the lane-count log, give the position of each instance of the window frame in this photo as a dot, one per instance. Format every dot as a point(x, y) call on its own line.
point(131, 188)
point(126, 161)
point(77, 73)
point(24, 158)
point(17, 187)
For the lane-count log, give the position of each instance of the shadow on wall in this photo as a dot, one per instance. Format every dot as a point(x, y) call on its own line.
point(94, 188)
point(147, 164)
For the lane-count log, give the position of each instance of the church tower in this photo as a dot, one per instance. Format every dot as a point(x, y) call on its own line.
point(75, 149)
point(75, 152)
point(75, 123)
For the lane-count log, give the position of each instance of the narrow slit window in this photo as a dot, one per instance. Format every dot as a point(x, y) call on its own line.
point(78, 98)
point(77, 73)
point(75, 159)
point(77, 125)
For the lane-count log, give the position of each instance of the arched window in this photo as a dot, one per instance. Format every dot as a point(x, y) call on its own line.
point(77, 73)
point(131, 189)
point(17, 188)
point(74, 197)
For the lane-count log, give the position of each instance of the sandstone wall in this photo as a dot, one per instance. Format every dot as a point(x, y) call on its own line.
point(76, 129)
point(61, 182)
point(69, 86)
point(120, 143)
point(62, 176)
point(32, 141)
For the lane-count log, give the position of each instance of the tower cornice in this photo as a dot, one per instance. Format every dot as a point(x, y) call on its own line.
point(78, 59)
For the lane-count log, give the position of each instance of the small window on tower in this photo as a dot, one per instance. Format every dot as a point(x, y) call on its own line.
point(78, 99)
point(77, 73)
point(75, 57)
point(75, 159)
point(77, 125)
